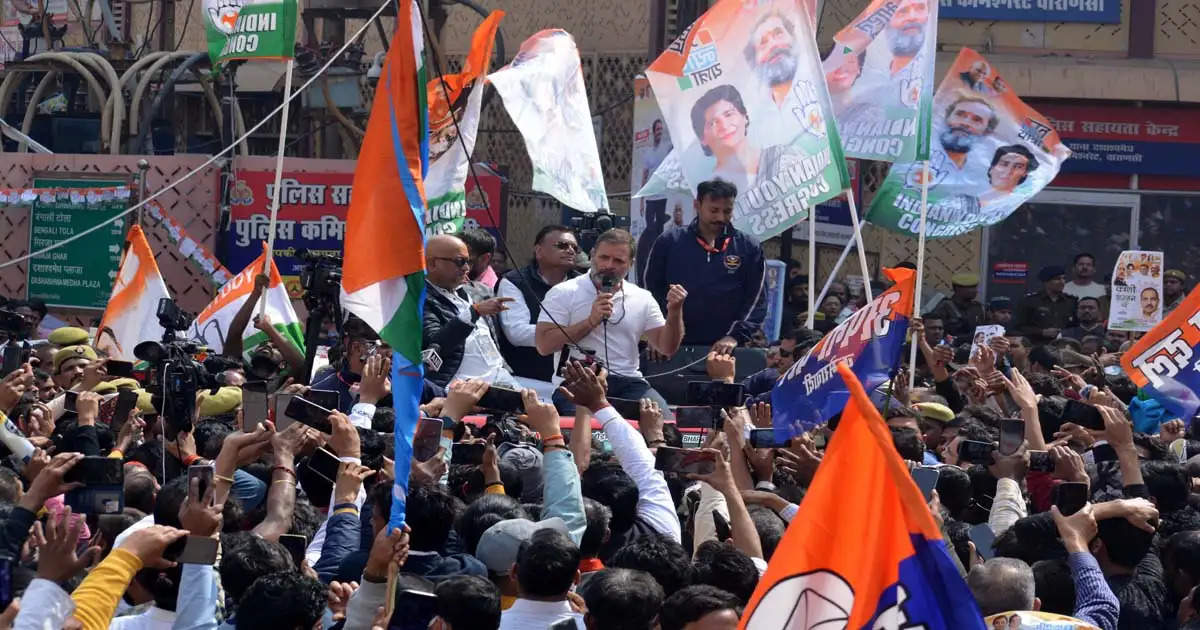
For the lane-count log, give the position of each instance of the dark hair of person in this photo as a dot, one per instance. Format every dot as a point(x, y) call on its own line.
point(10, 486)
point(482, 513)
point(1168, 483)
point(659, 556)
point(1082, 255)
point(608, 483)
point(248, 557)
point(547, 230)
point(617, 236)
point(716, 189)
point(598, 518)
point(769, 526)
point(384, 420)
point(547, 564)
point(468, 602)
point(140, 490)
point(672, 436)
point(287, 600)
point(908, 443)
point(693, 603)
point(479, 242)
point(210, 436)
point(430, 513)
point(1021, 151)
point(306, 519)
point(954, 489)
point(725, 567)
point(1053, 584)
point(1126, 544)
point(726, 93)
point(622, 599)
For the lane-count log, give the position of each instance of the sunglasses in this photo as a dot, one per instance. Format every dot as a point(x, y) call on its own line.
point(457, 262)
point(566, 245)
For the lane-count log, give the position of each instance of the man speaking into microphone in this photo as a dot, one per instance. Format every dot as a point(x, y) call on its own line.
point(721, 267)
point(601, 316)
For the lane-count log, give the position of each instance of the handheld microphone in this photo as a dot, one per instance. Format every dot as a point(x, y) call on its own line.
point(607, 283)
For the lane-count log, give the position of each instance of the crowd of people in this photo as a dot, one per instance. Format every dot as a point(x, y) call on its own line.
point(558, 526)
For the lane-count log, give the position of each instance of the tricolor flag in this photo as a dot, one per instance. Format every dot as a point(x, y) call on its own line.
point(131, 316)
point(383, 273)
point(212, 324)
point(863, 551)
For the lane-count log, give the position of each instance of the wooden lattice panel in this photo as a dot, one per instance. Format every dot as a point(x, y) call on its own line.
point(1178, 32)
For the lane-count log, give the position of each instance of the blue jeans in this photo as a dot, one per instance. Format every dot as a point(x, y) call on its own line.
point(619, 387)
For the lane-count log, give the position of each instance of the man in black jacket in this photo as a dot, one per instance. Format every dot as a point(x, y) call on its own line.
point(456, 328)
point(554, 252)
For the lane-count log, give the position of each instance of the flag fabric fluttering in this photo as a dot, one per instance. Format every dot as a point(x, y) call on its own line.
point(1165, 364)
point(131, 315)
point(212, 324)
point(863, 551)
point(456, 97)
point(383, 273)
point(249, 29)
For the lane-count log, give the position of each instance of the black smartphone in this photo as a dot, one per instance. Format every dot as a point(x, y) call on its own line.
point(326, 398)
point(126, 401)
point(696, 417)
point(721, 526)
point(199, 550)
point(628, 409)
point(974, 452)
point(1083, 415)
point(984, 538)
point(123, 369)
point(414, 610)
point(325, 464)
point(254, 405)
point(467, 454)
point(108, 499)
point(1012, 436)
point(926, 478)
point(12, 358)
point(97, 471)
point(684, 461)
point(1041, 461)
point(69, 401)
point(203, 472)
point(502, 399)
point(426, 439)
point(1070, 497)
point(764, 438)
point(307, 412)
point(1104, 453)
point(714, 393)
point(296, 546)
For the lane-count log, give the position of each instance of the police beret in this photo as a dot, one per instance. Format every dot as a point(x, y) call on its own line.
point(1049, 273)
point(1000, 303)
point(965, 279)
point(125, 383)
point(145, 403)
point(935, 411)
point(73, 352)
point(226, 400)
point(106, 387)
point(68, 336)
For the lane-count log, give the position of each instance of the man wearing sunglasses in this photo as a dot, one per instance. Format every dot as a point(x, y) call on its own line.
point(455, 323)
point(554, 251)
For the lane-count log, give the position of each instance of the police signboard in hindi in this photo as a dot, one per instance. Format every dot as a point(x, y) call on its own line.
point(1128, 140)
point(1165, 362)
point(1099, 11)
point(743, 96)
point(870, 341)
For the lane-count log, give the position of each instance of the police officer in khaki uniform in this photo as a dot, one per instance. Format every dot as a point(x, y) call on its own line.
point(961, 312)
point(1042, 315)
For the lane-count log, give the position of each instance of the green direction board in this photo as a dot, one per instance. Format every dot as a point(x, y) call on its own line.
point(79, 274)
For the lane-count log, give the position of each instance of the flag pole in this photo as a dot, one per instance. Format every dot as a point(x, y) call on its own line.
point(283, 124)
point(858, 242)
point(833, 274)
point(812, 264)
point(912, 353)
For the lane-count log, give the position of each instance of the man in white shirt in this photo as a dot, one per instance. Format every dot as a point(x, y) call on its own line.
point(546, 568)
point(454, 324)
point(599, 315)
point(1081, 285)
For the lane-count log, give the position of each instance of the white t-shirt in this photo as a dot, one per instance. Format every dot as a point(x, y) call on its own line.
point(1092, 290)
point(634, 313)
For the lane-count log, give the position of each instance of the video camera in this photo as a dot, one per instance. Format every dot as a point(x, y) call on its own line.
point(176, 375)
point(589, 225)
point(321, 276)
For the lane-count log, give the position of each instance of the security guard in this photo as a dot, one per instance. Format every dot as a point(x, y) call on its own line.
point(961, 312)
point(721, 268)
point(1042, 315)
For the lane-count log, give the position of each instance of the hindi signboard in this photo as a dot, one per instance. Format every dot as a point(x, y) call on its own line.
point(1127, 140)
point(1097, 11)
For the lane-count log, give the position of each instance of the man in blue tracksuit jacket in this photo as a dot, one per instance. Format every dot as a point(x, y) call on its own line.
point(721, 268)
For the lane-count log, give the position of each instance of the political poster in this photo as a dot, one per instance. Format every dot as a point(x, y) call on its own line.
point(1164, 362)
point(744, 99)
point(454, 103)
point(1137, 281)
point(880, 78)
point(990, 153)
point(869, 342)
point(544, 94)
point(250, 29)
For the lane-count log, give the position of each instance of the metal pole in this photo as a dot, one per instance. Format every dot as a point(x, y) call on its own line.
point(143, 166)
point(283, 123)
point(912, 353)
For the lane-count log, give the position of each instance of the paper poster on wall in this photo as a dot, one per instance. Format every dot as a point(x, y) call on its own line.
point(1136, 291)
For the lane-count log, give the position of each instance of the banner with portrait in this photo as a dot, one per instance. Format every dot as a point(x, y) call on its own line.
point(744, 98)
point(990, 152)
point(880, 78)
point(544, 94)
point(1164, 362)
point(1137, 281)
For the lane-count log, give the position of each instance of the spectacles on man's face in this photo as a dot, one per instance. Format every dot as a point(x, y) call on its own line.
point(566, 245)
point(458, 261)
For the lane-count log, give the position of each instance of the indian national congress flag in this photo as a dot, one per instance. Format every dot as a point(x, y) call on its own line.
point(250, 29)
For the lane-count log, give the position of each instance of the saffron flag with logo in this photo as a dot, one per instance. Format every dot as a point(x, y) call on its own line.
point(211, 326)
point(870, 341)
point(454, 103)
point(989, 153)
point(131, 315)
point(1165, 362)
point(383, 273)
point(863, 551)
point(250, 29)
point(880, 78)
point(743, 96)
